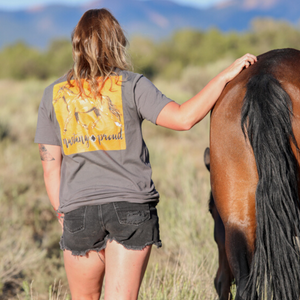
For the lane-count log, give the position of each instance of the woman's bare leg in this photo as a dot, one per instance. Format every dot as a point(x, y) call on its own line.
point(85, 274)
point(124, 271)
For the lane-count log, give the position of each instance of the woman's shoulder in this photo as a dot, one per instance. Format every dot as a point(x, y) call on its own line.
point(136, 79)
point(129, 76)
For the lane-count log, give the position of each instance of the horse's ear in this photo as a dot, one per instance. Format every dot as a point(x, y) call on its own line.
point(207, 158)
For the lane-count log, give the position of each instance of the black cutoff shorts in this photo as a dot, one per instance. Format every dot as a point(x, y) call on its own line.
point(88, 228)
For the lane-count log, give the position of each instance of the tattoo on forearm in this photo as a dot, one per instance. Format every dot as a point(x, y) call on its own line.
point(45, 155)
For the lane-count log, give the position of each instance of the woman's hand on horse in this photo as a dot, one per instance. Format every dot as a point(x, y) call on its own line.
point(186, 115)
point(234, 69)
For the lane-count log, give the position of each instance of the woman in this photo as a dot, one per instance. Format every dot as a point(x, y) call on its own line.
point(96, 164)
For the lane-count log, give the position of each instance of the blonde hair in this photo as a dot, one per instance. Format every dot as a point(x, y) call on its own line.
point(99, 47)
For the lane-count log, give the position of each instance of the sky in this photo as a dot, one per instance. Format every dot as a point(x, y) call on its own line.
point(21, 4)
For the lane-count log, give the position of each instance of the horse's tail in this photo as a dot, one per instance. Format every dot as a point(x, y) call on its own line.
point(266, 122)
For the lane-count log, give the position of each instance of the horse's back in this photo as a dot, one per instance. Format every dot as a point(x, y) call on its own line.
point(232, 162)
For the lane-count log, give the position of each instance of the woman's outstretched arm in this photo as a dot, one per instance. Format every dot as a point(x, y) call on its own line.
point(186, 115)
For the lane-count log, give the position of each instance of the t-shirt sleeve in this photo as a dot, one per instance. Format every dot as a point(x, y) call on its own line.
point(149, 100)
point(45, 132)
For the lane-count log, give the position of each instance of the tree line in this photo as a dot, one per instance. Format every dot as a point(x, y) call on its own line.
point(165, 58)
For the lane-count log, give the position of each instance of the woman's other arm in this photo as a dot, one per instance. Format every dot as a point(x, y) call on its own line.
point(51, 160)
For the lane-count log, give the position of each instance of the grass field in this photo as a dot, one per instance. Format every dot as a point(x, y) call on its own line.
point(31, 265)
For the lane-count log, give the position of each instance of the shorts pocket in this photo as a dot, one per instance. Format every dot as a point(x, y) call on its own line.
point(132, 213)
point(74, 221)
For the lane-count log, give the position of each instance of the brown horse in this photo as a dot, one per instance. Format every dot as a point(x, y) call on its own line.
point(254, 165)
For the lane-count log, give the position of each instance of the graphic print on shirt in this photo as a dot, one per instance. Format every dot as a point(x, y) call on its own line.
point(89, 124)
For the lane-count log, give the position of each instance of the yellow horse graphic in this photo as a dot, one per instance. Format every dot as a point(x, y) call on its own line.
point(77, 105)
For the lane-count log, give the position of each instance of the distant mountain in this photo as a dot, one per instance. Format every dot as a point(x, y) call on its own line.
point(238, 14)
point(152, 18)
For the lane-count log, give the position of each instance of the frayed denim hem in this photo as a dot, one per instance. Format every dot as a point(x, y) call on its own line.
point(129, 247)
point(80, 253)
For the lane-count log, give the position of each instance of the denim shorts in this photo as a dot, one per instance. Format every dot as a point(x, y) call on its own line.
point(88, 228)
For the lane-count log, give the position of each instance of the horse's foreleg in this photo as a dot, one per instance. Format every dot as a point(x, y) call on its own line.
point(78, 120)
point(75, 114)
point(68, 119)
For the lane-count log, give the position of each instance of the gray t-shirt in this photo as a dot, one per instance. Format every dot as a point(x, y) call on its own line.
point(105, 158)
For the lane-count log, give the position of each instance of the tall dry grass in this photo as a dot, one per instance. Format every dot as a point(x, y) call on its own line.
point(31, 265)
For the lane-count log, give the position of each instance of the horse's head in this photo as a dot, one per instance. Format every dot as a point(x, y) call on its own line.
point(63, 93)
